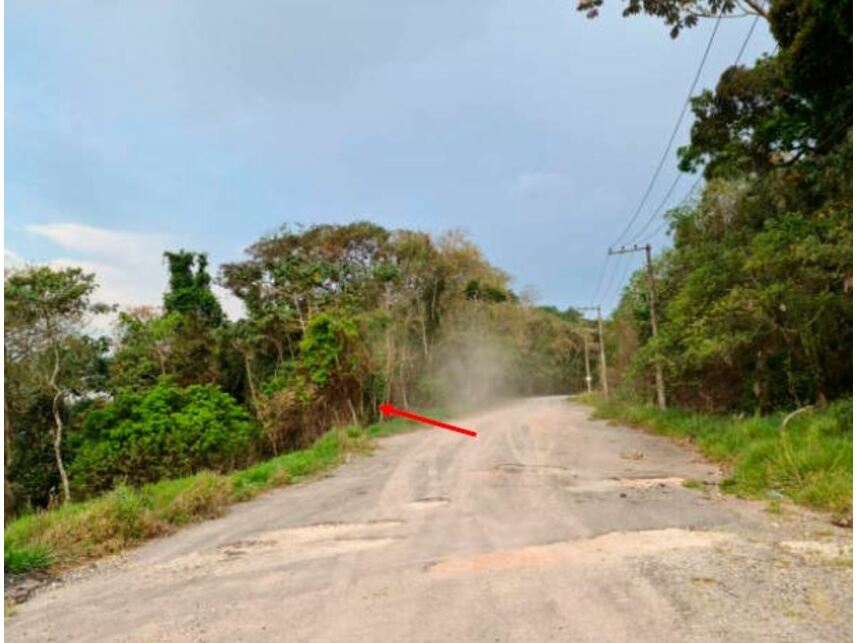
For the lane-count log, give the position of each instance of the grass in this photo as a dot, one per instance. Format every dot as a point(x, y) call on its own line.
point(809, 461)
point(81, 531)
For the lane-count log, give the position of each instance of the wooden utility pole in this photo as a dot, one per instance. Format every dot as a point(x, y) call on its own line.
point(605, 388)
point(650, 271)
point(586, 360)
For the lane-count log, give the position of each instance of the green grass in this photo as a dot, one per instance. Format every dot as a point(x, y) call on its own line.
point(126, 516)
point(25, 559)
point(400, 425)
point(810, 460)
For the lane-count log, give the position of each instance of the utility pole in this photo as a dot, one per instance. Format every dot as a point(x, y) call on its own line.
point(586, 360)
point(659, 373)
point(603, 358)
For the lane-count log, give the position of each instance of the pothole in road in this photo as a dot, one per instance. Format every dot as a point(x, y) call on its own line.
point(811, 548)
point(608, 548)
point(538, 469)
point(556, 474)
point(431, 501)
point(289, 545)
point(648, 483)
point(605, 485)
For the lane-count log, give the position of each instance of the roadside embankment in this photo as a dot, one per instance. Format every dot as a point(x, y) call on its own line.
point(81, 531)
point(806, 456)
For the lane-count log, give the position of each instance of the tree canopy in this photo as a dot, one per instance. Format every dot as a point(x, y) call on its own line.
point(755, 297)
point(339, 319)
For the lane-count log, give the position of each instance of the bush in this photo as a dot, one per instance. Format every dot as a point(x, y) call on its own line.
point(165, 432)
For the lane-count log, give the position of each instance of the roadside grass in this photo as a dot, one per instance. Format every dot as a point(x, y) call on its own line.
point(104, 525)
point(810, 460)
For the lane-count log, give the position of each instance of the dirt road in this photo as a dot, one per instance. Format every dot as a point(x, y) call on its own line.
point(547, 527)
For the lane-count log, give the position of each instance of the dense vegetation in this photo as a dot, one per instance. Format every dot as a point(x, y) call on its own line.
point(127, 515)
point(755, 298)
point(164, 432)
point(339, 319)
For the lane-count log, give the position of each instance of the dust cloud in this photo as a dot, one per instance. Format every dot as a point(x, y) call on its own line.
point(473, 370)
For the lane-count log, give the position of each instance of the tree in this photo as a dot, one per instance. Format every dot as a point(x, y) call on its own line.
point(189, 292)
point(144, 348)
point(682, 14)
point(45, 346)
point(194, 316)
point(754, 300)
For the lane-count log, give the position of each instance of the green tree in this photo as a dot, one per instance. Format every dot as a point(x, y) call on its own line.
point(47, 353)
point(145, 346)
point(189, 293)
point(755, 299)
point(195, 316)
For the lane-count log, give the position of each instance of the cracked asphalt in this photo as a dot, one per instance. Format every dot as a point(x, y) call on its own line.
point(547, 527)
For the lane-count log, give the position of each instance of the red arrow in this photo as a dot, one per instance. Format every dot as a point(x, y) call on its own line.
point(389, 409)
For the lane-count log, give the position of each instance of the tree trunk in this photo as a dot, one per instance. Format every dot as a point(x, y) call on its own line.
point(299, 312)
point(8, 443)
point(405, 395)
point(248, 369)
point(162, 359)
point(58, 445)
point(424, 336)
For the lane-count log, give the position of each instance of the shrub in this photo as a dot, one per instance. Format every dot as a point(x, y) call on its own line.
point(165, 432)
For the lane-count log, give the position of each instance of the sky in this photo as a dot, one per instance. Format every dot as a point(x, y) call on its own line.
point(145, 125)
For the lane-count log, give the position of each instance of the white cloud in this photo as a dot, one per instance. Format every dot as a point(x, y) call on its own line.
point(129, 266)
point(12, 259)
point(127, 247)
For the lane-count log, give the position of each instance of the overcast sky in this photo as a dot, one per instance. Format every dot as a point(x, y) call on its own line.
point(137, 126)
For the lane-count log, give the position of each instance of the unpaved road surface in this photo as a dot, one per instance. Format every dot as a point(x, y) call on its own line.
point(547, 527)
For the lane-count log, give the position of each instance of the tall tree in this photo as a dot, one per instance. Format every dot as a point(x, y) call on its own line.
point(45, 311)
point(189, 292)
point(196, 317)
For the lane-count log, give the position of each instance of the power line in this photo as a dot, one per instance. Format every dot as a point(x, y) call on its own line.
point(684, 201)
point(610, 293)
point(600, 277)
point(746, 40)
point(627, 270)
point(609, 285)
point(619, 284)
point(660, 207)
point(674, 132)
point(657, 210)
